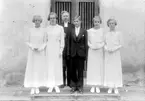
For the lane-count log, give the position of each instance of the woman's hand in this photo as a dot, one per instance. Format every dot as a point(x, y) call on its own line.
point(108, 49)
point(35, 49)
point(60, 52)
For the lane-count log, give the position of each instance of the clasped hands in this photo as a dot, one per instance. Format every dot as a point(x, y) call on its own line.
point(110, 50)
point(36, 49)
point(60, 52)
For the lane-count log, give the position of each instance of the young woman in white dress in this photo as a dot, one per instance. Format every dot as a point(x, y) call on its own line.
point(36, 75)
point(113, 69)
point(55, 45)
point(95, 55)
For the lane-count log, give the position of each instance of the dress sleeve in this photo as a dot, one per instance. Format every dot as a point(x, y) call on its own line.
point(44, 40)
point(89, 42)
point(120, 42)
point(101, 45)
point(121, 39)
point(45, 36)
point(62, 36)
point(105, 42)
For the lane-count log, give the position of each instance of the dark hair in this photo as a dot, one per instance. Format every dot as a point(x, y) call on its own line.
point(52, 13)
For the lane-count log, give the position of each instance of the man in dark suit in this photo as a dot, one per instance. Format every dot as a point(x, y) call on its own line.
point(66, 60)
point(78, 49)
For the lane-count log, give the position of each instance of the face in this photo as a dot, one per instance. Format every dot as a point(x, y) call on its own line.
point(96, 22)
point(37, 22)
point(112, 24)
point(65, 17)
point(77, 22)
point(52, 19)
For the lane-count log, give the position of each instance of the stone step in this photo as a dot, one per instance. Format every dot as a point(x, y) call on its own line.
point(22, 94)
point(75, 97)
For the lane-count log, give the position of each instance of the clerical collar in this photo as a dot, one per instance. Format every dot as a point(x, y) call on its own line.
point(65, 24)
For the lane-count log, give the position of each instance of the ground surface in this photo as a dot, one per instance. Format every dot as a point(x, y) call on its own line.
point(22, 94)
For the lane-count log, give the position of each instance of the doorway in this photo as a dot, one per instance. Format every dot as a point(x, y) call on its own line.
point(87, 9)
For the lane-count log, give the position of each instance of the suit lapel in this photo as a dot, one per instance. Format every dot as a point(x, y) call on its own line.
point(74, 34)
point(80, 34)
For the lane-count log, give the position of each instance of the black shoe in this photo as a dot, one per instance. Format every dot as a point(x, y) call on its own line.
point(69, 86)
point(72, 90)
point(80, 90)
point(62, 86)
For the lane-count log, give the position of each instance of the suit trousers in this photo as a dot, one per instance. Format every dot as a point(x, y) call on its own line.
point(77, 68)
point(66, 71)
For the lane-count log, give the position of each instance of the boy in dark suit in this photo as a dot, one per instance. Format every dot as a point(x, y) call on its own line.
point(78, 49)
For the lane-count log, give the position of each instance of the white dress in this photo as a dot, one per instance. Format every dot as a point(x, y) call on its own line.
point(55, 46)
point(113, 69)
point(35, 74)
point(95, 57)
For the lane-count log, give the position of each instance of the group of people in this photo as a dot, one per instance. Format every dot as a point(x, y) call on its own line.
point(59, 53)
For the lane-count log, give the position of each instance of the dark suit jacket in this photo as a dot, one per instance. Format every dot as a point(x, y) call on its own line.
point(67, 31)
point(78, 44)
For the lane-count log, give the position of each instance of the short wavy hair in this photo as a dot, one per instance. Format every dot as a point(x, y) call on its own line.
point(111, 19)
point(52, 13)
point(37, 17)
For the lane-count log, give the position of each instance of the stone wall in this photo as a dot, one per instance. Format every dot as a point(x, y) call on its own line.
point(15, 21)
point(130, 15)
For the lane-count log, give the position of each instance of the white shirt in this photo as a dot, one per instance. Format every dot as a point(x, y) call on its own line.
point(65, 24)
point(77, 30)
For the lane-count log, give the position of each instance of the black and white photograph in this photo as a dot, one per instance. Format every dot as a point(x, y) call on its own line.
point(72, 50)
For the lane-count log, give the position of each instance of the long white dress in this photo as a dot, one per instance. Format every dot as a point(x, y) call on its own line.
point(95, 57)
point(55, 46)
point(35, 74)
point(113, 69)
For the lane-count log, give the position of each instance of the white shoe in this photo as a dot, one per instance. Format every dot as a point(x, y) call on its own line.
point(50, 90)
point(32, 91)
point(57, 89)
point(97, 90)
point(37, 91)
point(110, 90)
point(116, 91)
point(92, 90)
